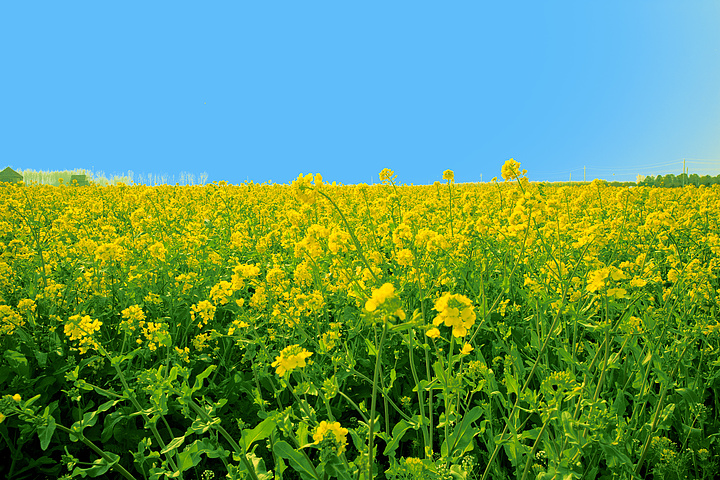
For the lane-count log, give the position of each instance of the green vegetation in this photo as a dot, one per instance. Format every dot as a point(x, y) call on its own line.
point(56, 177)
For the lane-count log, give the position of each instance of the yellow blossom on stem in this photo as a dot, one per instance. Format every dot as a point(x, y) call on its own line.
point(511, 170)
point(338, 434)
point(205, 310)
point(387, 175)
point(290, 358)
point(449, 175)
point(304, 188)
point(385, 299)
point(379, 296)
point(433, 332)
point(81, 329)
point(455, 311)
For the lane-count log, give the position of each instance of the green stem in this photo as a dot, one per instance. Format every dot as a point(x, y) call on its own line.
point(421, 401)
point(535, 446)
point(371, 436)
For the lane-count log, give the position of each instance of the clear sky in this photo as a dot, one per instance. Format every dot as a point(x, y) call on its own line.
point(266, 90)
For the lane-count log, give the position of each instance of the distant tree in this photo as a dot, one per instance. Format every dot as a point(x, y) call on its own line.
point(694, 179)
point(671, 180)
point(648, 181)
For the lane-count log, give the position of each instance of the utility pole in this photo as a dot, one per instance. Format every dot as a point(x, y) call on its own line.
point(683, 172)
point(571, 176)
point(584, 173)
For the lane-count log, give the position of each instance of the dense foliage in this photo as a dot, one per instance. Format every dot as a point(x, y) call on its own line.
point(312, 331)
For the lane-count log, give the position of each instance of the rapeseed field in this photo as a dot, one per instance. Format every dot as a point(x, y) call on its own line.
point(310, 331)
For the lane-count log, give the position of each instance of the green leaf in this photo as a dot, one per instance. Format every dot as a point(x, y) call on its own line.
point(202, 376)
point(18, 363)
point(262, 430)
point(397, 433)
point(372, 351)
point(100, 466)
point(199, 426)
point(41, 358)
point(620, 404)
point(570, 431)
point(614, 457)
point(175, 443)
point(32, 400)
point(192, 454)
point(511, 383)
point(461, 439)
point(689, 396)
point(107, 405)
point(45, 432)
point(667, 413)
point(258, 466)
point(298, 461)
point(335, 468)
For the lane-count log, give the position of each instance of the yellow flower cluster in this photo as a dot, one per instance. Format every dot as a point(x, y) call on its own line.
point(387, 176)
point(81, 329)
point(333, 431)
point(9, 320)
point(385, 299)
point(205, 310)
point(304, 189)
point(379, 296)
point(290, 358)
point(455, 311)
point(511, 170)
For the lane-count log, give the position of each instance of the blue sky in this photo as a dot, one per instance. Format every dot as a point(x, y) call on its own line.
point(267, 90)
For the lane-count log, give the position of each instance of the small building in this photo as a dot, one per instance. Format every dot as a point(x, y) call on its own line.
point(80, 179)
point(10, 176)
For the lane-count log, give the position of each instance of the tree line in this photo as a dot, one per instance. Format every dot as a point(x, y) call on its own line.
point(670, 180)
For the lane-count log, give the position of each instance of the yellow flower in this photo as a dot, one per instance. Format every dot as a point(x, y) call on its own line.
point(338, 434)
point(467, 348)
point(385, 298)
point(221, 292)
point(9, 320)
point(433, 333)
point(184, 354)
point(205, 309)
point(596, 279)
point(304, 189)
point(510, 170)
point(26, 305)
point(379, 296)
point(2, 418)
point(387, 175)
point(449, 175)
point(157, 250)
point(405, 257)
point(290, 358)
point(455, 311)
point(616, 292)
point(81, 329)
point(17, 397)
